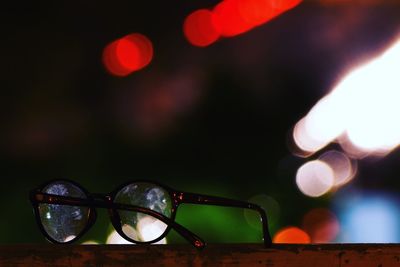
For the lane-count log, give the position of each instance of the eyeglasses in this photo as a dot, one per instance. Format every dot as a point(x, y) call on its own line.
point(141, 212)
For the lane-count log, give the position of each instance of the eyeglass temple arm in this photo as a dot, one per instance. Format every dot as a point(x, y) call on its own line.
point(192, 198)
point(37, 197)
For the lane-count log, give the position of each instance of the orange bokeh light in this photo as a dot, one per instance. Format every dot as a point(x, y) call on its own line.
point(200, 28)
point(127, 54)
point(293, 235)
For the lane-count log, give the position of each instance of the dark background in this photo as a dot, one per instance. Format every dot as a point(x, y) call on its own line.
point(212, 120)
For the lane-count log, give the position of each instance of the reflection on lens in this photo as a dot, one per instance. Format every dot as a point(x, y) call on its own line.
point(115, 238)
point(150, 228)
point(130, 231)
point(69, 238)
point(63, 223)
point(138, 226)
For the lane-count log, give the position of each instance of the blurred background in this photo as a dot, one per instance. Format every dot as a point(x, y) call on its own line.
point(286, 103)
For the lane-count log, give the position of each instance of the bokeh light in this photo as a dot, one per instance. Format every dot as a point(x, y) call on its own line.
point(320, 126)
point(230, 18)
point(373, 126)
point(90, 242)
point(350, 149)
point(361, 112)
point(256, 12)
point(150, 228)
point(368, 218)
point(321, 224)
point(305, 141)
point(234, 17)
point(293, 235)
point(147, 229)
point(271, 207)
point(130, 231)
point(127, 54)
point(200, 28)
point(115, 238)
point(344, 169)
point(315, 178)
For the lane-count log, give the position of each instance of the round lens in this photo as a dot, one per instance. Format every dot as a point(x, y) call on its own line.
point(138, 226)
point(63, 223)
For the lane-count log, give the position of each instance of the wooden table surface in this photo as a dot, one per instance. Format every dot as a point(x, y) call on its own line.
point(325, 255)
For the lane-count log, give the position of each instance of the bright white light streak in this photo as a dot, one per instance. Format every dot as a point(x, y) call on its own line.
point(363, 109)
point(325, 121)
point(373, 92)
point(315, 178)
point(322, 125)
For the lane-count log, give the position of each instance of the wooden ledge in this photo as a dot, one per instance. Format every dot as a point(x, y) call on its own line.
point(326, 255)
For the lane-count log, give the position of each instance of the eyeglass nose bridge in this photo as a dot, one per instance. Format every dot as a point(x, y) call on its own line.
point(105, 201)
point(100, 196)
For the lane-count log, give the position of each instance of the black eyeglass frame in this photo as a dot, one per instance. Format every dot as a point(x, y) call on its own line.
point(95, 200)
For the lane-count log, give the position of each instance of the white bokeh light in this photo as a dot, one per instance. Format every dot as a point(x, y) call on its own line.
point(325, 121)
point(147, 229)
point(115, 238)
point(362, 110)
point(150, 228)
point(315, 178)
point(344, 169)
point(304, 140)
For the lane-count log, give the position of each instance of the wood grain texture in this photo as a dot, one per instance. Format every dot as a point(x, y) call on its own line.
point(327, 255)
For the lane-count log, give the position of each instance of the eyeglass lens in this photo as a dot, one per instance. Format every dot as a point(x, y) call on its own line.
point(63, 223)
point(138, 226)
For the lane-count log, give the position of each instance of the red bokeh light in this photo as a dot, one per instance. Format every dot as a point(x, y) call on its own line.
point(229, 18)
point(256, 12)
point(111, 62)
point(292, 235)
point(283, 5)
point(322, 225)
point(127, 54)
point(200, 28)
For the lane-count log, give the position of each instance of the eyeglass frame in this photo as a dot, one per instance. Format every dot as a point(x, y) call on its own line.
point(97, 200)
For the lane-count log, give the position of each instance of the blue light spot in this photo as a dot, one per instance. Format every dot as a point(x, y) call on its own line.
point(369, 219)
